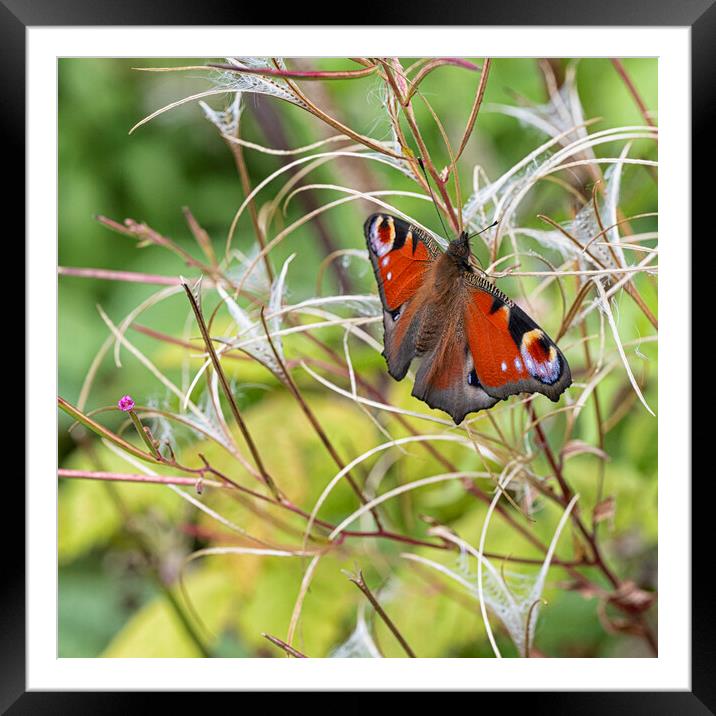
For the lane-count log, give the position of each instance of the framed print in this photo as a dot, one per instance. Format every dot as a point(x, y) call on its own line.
point(356, 340)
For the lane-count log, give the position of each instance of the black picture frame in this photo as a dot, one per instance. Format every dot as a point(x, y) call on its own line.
point(699, 15)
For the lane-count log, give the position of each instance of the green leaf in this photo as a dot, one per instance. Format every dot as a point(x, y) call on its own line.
point(88, 516)
point(157, 631)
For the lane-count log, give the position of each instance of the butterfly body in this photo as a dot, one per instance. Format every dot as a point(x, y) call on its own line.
point(475, 345)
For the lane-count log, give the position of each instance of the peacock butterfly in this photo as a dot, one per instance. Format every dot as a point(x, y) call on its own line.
point(476, 346)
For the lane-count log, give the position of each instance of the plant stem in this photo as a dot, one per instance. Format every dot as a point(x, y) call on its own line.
point(628, 287)
point(126, 276)
point(272, 126)
point(145, 435)
point(129, 477)
point(102, 431)
point(293, 388)
point(268, 480)
point(292, 74)
point(621, 70)
point(566, 496)
point(178, 342)
point(479, 95)
point(237, 152)
point(469, 486)
point(359, 581)
point(425, 154)
point(291, 651)
point(227, 483)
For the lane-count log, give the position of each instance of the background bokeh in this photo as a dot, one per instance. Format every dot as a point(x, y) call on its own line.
point(108, 603)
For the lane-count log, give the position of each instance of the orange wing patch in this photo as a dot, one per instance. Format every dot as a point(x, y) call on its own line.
point(402, 271)
point(400, 259)
point(511, 353)
point(494, 352)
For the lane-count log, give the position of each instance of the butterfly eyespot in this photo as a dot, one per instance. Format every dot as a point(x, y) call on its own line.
point(381, 235)
point(540, 357)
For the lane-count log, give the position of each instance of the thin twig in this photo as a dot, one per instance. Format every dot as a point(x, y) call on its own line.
point(128, 477)
point(237, 152)
point(293, 387)
point(291, 651)
point(567, 495)
point(475, 107)
point(126, 276)
point(528, 622)
point(628, 287)
point(428, 67)
point(201, 236)
point(268, 480)
point(359, 581)
point(295, 75)
point(621, 70)
point(409, 115)
point(229, 484)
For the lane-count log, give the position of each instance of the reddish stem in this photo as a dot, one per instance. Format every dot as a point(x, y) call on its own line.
point(621, 70)
point(298, 75)
point(127, 276)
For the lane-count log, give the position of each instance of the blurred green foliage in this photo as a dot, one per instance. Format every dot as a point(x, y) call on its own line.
point(108, 605)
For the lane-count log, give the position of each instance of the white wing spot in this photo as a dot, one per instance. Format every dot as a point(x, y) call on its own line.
point(518, 365)
point(389, 276)
point(386, 261)
point(504, 366)
point(378, 246)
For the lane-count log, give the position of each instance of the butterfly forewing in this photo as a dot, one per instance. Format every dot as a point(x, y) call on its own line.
point(401, 255)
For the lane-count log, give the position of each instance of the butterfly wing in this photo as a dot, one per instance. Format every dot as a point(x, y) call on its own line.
point(511, 353)
point(447, 380)
point(401, 255)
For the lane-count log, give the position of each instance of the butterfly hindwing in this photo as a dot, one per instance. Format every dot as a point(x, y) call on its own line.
point(447, 380)
point(401, 254)
point(512, 354)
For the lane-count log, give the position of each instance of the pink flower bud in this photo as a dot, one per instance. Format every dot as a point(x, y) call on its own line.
point(125, 403)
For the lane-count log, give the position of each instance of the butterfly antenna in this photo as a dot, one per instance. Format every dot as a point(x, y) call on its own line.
point(477, 233)
point(432, 196)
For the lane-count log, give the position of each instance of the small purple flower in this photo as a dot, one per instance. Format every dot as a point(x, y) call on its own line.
point(125, 403)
